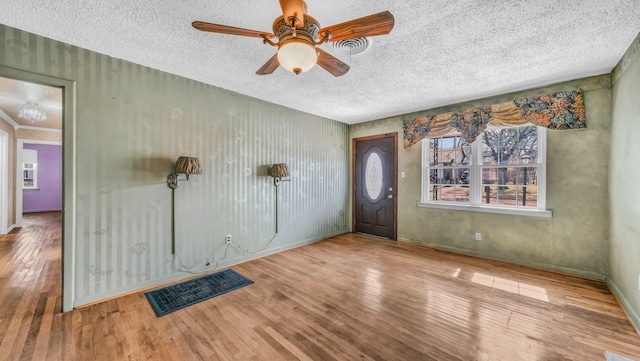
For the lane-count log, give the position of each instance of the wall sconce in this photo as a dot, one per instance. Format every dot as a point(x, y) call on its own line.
point(278, 171)
point(187, 166)
point(184, 165)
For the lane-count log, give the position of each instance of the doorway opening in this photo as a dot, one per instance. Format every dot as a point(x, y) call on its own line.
point(41, 110)
point(39, 177)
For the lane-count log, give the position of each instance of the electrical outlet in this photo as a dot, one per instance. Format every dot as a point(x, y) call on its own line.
point(478, 236)
point(227, 238)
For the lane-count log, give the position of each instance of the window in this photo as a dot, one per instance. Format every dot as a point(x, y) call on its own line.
point(503, 171)
point(29, 169)
point(449, 172)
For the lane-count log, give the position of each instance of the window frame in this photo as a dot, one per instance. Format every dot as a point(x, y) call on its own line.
point(475, 180)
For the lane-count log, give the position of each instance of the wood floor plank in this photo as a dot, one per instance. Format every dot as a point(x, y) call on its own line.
point(41, 338)
point(350, 297)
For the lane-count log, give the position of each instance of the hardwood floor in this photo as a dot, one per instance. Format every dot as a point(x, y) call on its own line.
point(350, 297)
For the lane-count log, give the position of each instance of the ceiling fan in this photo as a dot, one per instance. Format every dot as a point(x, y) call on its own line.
point(300, 35)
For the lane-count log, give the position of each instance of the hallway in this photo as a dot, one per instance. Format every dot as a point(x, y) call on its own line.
point(30, 285)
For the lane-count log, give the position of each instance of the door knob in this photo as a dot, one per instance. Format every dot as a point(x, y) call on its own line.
point(390, 196)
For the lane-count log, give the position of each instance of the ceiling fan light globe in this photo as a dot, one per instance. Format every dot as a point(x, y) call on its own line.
point(297, 56)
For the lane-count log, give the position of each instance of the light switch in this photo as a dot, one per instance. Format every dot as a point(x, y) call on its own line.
point(402, 175)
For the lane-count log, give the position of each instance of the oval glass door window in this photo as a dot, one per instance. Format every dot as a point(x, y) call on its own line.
point(373, 176)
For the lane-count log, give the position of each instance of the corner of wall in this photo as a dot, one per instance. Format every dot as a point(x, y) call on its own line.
point(625, 62)
point(623, 268)
point(626, 305)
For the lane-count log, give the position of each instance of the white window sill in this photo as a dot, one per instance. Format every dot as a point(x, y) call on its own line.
point(529, 212)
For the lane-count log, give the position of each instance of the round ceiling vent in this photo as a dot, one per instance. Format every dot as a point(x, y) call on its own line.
point(352, 47)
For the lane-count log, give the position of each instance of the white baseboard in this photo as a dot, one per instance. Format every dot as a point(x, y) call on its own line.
point(626, 305)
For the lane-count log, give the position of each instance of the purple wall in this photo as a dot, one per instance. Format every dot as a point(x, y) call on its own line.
point(48, 196)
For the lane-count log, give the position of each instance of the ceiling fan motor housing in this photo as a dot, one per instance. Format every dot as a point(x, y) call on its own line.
point(309, 31)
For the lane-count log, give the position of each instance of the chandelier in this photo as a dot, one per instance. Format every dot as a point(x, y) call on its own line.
point(32, 112)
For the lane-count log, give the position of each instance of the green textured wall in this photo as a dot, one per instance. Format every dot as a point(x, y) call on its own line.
point(624, 258)
point(133, 122)
point(574, 240)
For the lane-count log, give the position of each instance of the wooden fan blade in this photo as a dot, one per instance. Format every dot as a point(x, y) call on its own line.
point(270, 66)
point(376, 24)
point(224, 29)
point(295, 9)
point(331, 64)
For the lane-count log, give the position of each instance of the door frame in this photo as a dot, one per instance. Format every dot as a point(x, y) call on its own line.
point(4, 182)
point(68, 241)
point(395, 178)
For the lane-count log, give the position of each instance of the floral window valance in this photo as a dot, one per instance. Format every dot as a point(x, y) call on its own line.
point(558, 111)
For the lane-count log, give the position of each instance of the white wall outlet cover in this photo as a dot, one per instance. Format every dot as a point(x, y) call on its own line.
point(478, 236)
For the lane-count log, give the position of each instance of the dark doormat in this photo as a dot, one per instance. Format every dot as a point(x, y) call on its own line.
point(172, 298)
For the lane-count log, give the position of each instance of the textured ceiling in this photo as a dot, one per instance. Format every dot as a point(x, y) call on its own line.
point(440, 51)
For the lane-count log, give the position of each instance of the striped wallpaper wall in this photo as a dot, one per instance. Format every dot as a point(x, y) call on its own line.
point(132, 124)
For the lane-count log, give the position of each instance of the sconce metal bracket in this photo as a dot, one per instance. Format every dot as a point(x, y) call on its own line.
point(277, 180)
point(173, 179)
